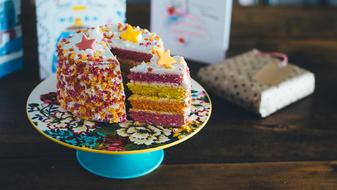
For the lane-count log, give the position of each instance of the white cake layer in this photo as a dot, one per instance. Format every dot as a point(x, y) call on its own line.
point(287, 92)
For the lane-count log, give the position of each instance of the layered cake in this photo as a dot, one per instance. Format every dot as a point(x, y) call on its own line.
point(90, 84)
point(89, 81)
point(161, 90)
point(131, 45)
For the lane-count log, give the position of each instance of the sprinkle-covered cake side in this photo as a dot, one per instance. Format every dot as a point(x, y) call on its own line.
point(131, 45)
point(161, 91)
point(89, 81)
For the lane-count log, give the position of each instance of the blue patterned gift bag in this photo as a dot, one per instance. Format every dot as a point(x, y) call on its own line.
point(10, 36)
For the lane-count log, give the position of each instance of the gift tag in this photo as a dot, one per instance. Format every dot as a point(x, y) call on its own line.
point(273, 73)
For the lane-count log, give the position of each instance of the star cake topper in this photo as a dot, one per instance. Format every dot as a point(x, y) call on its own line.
point(86, 43)
point(130, 34)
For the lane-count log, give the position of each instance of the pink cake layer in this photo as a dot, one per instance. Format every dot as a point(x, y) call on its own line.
point(150, 77)
point(133, 55)
point(175, 120)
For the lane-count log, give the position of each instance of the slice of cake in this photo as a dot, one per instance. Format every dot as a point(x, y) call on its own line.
point(161, 90)
point(131, 45)
point(90, 84)
point(89, 81)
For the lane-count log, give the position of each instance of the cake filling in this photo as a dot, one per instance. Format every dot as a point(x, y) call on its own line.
point(151, 103)
point(158, 118)
point(157, 89)
point(132, 55)
point(151, 77)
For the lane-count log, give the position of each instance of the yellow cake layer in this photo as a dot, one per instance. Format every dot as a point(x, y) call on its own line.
point(159, 90)
point(157, 104)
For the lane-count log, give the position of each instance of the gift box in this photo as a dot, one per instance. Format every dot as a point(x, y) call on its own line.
point(258, 81)
point(57, 19)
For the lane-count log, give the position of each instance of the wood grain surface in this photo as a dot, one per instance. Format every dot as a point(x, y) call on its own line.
point(291, 149)
point(40, 175)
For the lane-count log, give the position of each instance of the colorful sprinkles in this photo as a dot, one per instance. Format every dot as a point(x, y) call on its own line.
point(138, 36)
point(89, 83)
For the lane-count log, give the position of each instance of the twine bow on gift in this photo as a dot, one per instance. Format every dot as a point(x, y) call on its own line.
point(278, 55)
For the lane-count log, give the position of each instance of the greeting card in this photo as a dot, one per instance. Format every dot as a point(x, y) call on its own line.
point(57, 19)
point(198, 29)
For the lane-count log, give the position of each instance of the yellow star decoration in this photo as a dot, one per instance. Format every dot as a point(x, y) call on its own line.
point(130, 34)
point(165, 59)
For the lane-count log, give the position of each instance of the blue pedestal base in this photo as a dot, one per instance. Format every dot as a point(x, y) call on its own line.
point(120, 166)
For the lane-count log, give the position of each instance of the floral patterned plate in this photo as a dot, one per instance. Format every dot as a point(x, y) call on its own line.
point(62, 127)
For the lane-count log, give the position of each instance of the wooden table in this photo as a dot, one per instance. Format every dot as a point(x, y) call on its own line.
point(292, 149)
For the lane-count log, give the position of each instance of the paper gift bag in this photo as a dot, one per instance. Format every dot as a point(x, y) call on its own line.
point(57, 19)
point(10, 37)
point(10, 40)
point(258, 82)
point(11, 62)
point(10, 11)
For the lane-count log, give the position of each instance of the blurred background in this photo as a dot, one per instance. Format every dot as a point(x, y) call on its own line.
point(271, 2)
point(12, 41)
point(305, 30)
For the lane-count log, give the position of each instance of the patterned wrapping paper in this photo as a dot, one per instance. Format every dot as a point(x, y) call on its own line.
point(235, 80)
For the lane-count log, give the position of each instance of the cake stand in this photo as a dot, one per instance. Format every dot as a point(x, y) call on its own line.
point(118, 151)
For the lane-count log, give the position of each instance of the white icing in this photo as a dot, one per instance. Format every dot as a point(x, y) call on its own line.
point(187, 110)
point(179, 68)
point(144, 45)
point(186, 83)
point(172, 85)
point(141, 46)
point(91, 33)
point(95, 33)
